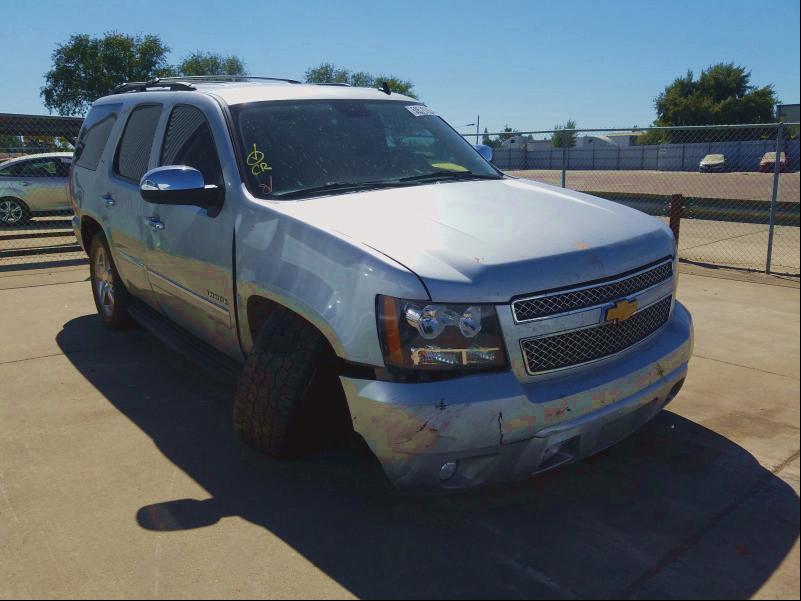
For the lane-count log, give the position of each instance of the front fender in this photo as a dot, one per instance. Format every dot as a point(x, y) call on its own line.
point(330, 280)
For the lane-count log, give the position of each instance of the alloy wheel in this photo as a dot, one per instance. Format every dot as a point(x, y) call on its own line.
point(11, 211)
point(104, 282)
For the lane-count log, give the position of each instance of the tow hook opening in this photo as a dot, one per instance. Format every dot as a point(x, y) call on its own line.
point(674, 391)
point(448, 470)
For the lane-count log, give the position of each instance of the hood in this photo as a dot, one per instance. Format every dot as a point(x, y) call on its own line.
point(489, 241)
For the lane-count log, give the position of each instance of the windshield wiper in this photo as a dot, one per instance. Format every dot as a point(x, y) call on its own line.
point(435, 175)
point(337, 187)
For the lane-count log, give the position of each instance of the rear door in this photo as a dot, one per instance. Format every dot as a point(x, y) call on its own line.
point(189, 249)
point(122, 201)
point(43, 182)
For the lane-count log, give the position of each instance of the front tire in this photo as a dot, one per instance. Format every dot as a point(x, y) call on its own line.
point(109, 293)
point(289, 401)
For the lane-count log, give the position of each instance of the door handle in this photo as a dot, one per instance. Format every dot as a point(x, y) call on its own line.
point(155, 224)
point(109, 200)
point(25, 184)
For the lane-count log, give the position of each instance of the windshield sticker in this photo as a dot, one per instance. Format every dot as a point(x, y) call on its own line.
point(257, 163)
point(449, 166)
point(419, 110)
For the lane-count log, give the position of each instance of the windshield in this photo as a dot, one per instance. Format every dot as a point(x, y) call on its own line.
point(297, 148)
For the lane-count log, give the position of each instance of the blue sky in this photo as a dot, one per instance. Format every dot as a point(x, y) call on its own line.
point(530, 64)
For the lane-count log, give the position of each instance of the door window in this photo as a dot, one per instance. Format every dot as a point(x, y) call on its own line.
point(133, 152)
point(188, 141)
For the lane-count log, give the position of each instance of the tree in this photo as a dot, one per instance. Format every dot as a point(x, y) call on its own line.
point(487, 141)
point(563, 136)
point(722, 95)
point(86, 68)
point(209, 63)
point(330, 73)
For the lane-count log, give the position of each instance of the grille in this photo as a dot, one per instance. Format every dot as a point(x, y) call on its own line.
point(562, 302)
point(589, 344)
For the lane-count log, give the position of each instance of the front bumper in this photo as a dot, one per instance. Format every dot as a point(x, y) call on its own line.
point(497, 428)
point(76, 228)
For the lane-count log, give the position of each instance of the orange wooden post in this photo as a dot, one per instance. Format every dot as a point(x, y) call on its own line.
point(676, 212)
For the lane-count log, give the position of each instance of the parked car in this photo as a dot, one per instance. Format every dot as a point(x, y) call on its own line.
point(712, 163)
point(472, 327)
point(768, 162)
point(32, 184)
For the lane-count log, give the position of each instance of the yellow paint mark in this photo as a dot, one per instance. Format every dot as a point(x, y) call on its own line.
point(449, 166)
point(256, 162)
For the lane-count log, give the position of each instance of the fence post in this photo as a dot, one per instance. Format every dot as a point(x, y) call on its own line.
point(676, 212)
point(564, 163)
point(774, 197)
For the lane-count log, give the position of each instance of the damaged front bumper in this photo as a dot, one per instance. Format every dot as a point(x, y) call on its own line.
point(461, 433)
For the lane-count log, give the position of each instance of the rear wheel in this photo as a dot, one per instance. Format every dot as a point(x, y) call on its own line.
point(289, 401)
point(13, 212)
point(111, 297)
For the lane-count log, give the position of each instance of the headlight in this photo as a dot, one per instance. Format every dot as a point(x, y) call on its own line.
point(430, 336)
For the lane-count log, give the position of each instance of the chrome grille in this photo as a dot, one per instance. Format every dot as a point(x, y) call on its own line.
point(561, 302)
point(589, 344)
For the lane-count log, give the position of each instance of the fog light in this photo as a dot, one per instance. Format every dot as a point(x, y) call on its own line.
point(447, 470)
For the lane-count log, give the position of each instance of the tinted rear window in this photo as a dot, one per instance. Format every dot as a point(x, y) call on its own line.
point(133, 153)
point(94, 135)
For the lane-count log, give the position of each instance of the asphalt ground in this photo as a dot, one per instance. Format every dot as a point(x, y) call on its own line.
point(121, 476)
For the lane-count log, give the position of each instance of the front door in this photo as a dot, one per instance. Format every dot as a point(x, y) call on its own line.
point(189, 249)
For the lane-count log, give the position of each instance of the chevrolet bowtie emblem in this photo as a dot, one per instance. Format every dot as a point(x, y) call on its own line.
point(621, 311)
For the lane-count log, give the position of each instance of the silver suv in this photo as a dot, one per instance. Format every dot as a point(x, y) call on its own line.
point(362, 267)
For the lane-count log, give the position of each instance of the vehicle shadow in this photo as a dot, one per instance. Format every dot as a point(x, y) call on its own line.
point(674, 511)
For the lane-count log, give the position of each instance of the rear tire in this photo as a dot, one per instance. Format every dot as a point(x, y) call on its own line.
point(111, 298)
point(288, 400)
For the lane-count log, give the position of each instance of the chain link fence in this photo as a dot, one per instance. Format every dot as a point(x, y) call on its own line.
point(35, 155)
point(732, 201)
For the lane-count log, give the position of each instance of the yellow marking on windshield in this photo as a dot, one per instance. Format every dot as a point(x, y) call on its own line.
point(256, 162)
point(449, 166)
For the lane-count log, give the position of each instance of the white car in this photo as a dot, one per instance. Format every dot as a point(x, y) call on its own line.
point(36, 183)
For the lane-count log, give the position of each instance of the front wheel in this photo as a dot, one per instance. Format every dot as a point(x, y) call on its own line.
point(289, 401)
point(111, 297)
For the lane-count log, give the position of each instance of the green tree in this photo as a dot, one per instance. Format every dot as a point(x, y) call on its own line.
point(210, 63)
point(86, 68)
point(722, 95)
point(563, 136)
point(330, 73)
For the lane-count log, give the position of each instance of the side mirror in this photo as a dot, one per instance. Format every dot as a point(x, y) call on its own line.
point(179, 185)
point(484, 150)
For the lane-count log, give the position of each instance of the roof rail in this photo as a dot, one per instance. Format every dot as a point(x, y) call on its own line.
point(334, 83)
point(185, 83)
point(142, 86)
point(222, 78)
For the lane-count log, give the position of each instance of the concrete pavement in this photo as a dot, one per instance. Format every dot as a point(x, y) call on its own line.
point(120, 476)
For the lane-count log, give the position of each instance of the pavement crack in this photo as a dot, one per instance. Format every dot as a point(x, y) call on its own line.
point(764, 371)
point(68, 353)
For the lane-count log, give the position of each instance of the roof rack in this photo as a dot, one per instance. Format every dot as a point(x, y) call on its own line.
point(222, 78)
point(335, 83)
point(182, 83)
point(142, 86)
